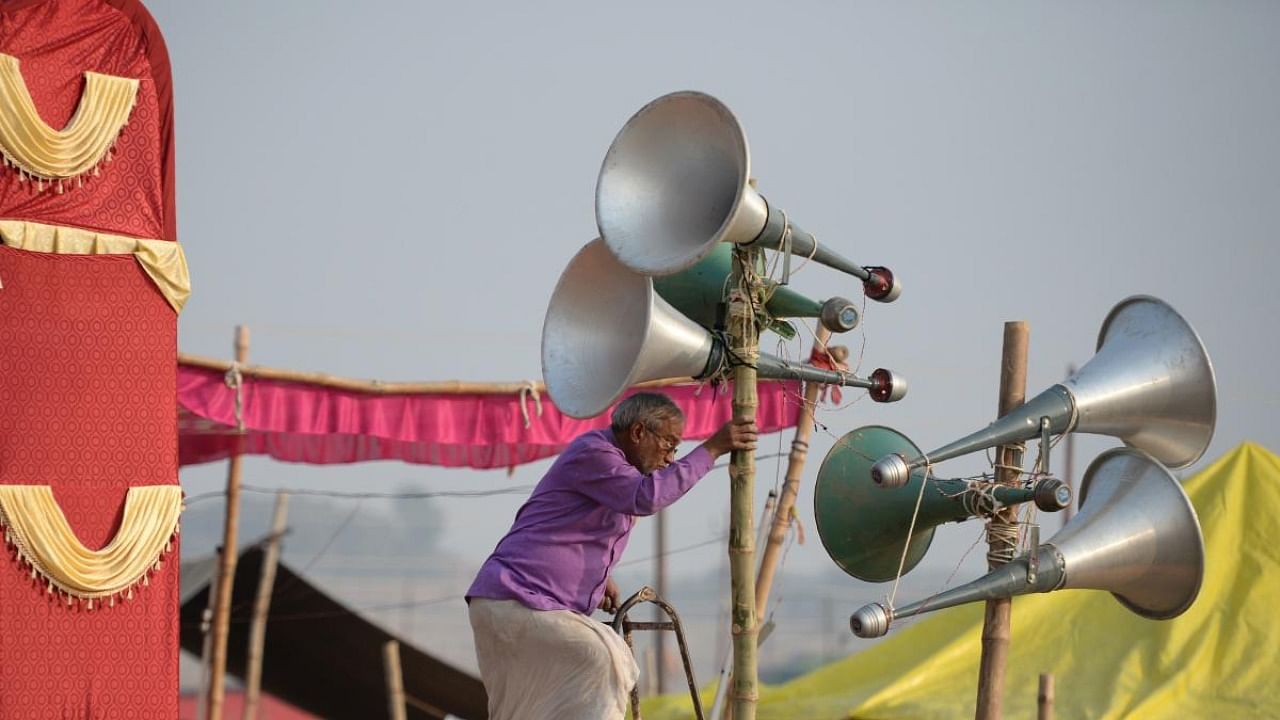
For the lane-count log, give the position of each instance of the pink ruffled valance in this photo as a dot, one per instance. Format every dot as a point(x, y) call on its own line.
point(319, 424)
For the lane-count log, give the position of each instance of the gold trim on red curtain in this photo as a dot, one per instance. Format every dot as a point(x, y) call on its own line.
point(162, 260)
point(44, 154)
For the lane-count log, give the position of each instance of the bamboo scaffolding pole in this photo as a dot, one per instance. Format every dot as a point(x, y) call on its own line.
point(791, 486)
point(782, 511)
point(384, 387)
point(745, 296)
point(227, 567)
point(996, 622)
point(395, 681)
point(719, 709)
point(206, 648)
point(660, 586)
point(1044, 699)
point(261, 608)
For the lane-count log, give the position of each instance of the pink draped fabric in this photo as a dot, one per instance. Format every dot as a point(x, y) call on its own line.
point(316, 424)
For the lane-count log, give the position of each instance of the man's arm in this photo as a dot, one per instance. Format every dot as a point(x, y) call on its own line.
point(604, 474)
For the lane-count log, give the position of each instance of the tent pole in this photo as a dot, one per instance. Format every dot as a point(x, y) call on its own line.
point(227, 567)
point(395, 681)
point(262, 606)
point(1044, 700)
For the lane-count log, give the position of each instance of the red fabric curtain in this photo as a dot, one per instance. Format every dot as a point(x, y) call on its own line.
point(55, 44)
point(86, 407)
point(306, 423)
point(87, 375)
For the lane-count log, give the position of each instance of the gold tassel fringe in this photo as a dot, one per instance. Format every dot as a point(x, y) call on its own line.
point(35, 524)
point(41, 152)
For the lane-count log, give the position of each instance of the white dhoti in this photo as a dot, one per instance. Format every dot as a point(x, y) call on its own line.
point(550, 664)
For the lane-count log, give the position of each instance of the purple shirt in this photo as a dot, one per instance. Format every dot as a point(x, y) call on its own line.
point(571, 531)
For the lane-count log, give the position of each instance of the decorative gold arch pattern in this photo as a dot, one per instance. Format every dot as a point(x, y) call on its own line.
point(35, 524)
point(46, 155)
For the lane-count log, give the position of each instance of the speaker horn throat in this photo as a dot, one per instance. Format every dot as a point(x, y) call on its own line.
point(1008, 580)
point(879, 283)
point(1056, 403)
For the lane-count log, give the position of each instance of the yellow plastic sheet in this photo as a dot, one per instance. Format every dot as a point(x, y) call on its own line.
point(1219, 660)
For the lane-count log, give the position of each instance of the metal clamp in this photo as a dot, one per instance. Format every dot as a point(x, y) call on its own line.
point(1045, 445)
point(1033, 558)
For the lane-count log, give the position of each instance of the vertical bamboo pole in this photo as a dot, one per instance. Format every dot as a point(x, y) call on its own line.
point(744, 342)
point(660, 585)
point(1044, 700)
point(786, 503)
point(995, 625)
point(719, 709)
point(395, 681)
point(262, 606)
point(227, 568)
point(206, 627)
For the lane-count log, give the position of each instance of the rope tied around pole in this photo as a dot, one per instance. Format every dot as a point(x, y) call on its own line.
point(980, 498)
point(235, 380)
point(529, 389)
point(1003, 537)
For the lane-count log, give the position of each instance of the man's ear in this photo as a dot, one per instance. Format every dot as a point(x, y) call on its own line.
point(636, 432)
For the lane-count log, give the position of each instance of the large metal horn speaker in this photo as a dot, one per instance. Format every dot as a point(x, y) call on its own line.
point(863, 527)
point(606, 329)
point(676, 182)
point(1150, 384)
point(698, 291)
point(1136, 536)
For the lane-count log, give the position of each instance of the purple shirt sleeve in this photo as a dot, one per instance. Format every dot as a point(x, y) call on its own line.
point(610, 480)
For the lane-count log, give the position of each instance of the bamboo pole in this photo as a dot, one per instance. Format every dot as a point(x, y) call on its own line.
point(995, 625)
point(262, 606)
point(206, 626)
point(744, 340)
point(786, 503)
point(660, 585)
point(227, 568)
point(790, 487)
point(1044, 699)
point(384, 387)
point(719, 709)
point(395, 681)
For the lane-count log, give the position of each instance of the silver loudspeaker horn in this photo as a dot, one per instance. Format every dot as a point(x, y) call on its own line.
point(1150, 384)
point(676, 181)
point(606, 329)
point(1136, 535)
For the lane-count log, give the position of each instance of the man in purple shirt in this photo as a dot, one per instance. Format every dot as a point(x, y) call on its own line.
point(540, 655)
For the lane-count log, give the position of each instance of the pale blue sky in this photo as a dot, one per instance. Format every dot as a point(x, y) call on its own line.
point(391, 189)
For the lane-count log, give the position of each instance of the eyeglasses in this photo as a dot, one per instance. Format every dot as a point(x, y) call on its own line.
point(665, 444)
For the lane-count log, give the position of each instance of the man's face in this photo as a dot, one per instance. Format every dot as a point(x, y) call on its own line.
point(654, 446)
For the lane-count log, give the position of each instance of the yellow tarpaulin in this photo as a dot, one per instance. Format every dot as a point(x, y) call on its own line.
point(1219, 660)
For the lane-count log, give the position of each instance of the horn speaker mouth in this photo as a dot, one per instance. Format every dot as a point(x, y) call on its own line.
point(671, 183)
